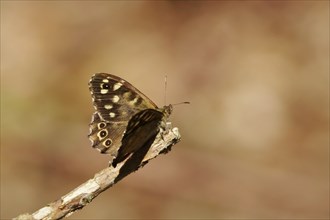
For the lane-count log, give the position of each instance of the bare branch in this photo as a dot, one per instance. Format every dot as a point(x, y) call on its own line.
point(85, 193)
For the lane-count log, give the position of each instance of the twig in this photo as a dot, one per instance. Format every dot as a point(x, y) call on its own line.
point(85, 193)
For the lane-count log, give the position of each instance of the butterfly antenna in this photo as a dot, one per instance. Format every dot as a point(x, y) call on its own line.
point(165, 89)
point(166, 92)
point(181, 103)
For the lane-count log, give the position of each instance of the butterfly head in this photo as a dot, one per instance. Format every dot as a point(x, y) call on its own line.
point(167, 110)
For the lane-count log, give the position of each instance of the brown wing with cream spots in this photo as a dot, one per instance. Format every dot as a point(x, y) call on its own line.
point(115, 101)
point(105, 136)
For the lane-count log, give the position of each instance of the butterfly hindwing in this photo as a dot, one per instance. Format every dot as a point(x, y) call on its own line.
point(105, 136)
point(142, 127)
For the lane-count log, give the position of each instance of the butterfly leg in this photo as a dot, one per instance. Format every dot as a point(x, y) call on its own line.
point(165, 127)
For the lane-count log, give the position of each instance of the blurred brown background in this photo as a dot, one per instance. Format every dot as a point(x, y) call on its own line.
point(255, 141)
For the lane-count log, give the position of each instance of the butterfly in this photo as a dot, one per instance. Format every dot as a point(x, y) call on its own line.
point(125, 119)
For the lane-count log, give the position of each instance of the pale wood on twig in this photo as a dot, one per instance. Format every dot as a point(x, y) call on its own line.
point(86, 192)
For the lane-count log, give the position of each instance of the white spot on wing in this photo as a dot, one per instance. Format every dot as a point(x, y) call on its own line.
point(105, 81)
point(134, 101)
point(108, 107)
point(117, 86)
point(104, 91)
point(112, 115)
point(115, 99)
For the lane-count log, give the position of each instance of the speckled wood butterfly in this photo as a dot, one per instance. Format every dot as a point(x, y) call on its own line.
point(125, 119)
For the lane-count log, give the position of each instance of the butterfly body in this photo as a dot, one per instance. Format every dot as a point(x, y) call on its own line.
point(125, 119)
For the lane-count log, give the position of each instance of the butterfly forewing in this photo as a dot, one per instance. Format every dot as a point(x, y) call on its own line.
point(116, 99)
